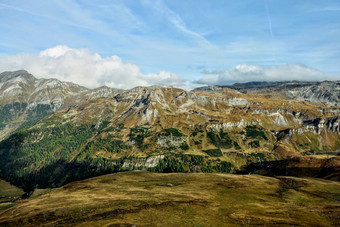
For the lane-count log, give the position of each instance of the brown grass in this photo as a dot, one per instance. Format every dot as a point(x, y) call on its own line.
point(177, 199)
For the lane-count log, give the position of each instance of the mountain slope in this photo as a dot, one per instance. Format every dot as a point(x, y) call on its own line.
point(168, 130)
point(25, 100)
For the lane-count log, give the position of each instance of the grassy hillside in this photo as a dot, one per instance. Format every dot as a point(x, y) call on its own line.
point(9, 194)
point(177, 199)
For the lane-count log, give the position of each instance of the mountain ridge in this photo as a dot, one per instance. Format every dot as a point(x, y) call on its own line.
point(314, 91)
point(162, 129)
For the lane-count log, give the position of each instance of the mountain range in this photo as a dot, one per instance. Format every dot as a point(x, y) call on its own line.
point(55, 132)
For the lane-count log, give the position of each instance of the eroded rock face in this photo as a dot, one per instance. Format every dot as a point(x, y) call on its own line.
point(332, 124)
point(149, 162)
point(237, 102)
point(328, 92)
point(315, 126)
point(166, 141)
point(230, 125)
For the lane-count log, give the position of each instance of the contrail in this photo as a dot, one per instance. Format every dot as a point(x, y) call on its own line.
point(270, 30)
point(269, 19)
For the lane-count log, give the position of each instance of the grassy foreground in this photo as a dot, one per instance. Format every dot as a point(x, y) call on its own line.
point(9, 194)
point(182, 199)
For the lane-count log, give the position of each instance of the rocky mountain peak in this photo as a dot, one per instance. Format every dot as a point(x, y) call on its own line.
point(11, 75)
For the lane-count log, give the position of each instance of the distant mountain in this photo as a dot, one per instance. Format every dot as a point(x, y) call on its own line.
point(326, 91)
point(79, 132)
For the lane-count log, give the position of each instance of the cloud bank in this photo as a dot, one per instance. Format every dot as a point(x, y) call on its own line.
point(92, 70)
point(246, 73)
point(86, 69)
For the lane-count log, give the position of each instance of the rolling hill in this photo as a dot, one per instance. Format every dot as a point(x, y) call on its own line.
point(182, 199)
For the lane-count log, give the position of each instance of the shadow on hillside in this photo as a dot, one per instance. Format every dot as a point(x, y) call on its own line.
point(63, 172)
point(58, 174)
point(298, 167)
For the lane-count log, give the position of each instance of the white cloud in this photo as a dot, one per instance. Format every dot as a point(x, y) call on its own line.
point(245, 73)
point(86, 69)
point(92, 70)
point(55, 52)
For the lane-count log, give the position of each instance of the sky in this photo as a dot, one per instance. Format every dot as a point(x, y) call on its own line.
point(182, 43)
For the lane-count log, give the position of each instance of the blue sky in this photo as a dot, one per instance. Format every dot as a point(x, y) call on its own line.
point(198, 40)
